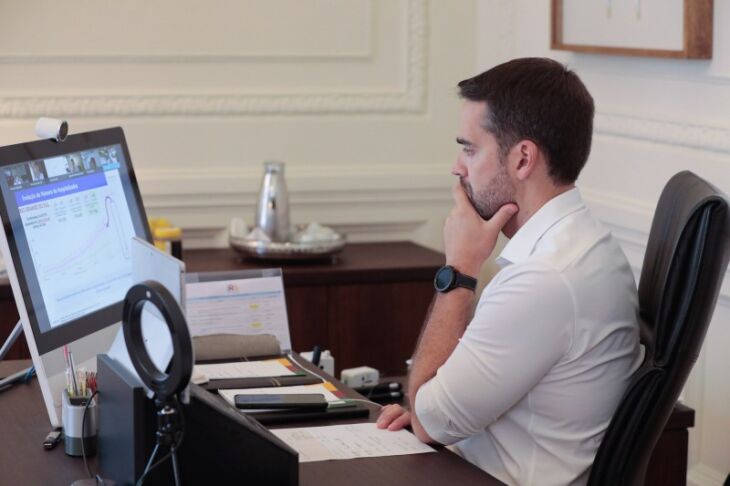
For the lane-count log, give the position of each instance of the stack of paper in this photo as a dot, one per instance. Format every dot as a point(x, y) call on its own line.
point(246, 369)
point(350, 441)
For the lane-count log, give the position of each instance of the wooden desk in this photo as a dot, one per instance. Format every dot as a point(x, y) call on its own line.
point(24, 461)
point(347, 305)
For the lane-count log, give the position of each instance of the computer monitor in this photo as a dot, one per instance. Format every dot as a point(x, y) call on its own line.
point(69, 211)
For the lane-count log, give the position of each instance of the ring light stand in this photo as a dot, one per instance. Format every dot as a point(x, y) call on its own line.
point(166, 387)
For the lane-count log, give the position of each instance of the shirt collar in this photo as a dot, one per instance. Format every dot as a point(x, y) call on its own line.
point(523, 242)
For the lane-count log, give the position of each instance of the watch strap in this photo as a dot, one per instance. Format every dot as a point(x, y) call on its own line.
point(465, 281)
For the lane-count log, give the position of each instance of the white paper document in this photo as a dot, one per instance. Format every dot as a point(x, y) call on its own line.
point(350, 441)
point(241, 306)
point(323, 388)
point(246, 369)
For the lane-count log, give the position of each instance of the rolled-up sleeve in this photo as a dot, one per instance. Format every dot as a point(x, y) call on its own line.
point(523, 324)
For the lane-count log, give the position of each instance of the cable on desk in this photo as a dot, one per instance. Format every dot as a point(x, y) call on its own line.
point(291, 357)
point(347, 400)
point(83, 432)
point(29, 374)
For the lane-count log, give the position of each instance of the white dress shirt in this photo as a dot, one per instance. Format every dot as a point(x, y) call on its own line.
point(530, 388)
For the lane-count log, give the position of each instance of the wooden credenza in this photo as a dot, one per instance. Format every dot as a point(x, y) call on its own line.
point(366, 305)
point(8, 319)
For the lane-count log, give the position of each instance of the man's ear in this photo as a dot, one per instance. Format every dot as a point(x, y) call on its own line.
point(524, 158)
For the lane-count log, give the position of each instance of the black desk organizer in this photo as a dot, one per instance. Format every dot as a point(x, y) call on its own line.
point(220, 445)
point(283, 416)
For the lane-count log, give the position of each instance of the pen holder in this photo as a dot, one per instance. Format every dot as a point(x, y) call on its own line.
point(72, 411)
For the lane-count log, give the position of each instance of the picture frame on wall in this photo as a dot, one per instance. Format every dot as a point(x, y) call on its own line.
point(657, 28)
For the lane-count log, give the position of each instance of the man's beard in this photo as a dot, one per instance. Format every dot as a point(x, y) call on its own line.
point(499, 192)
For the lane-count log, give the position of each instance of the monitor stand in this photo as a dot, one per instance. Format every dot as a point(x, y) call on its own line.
point(22, 375)
point(14, 334)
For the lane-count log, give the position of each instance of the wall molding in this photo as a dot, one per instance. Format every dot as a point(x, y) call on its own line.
point(325, 184)
point(370, 203)
point(667, 132)
point(180, 58)
point(703, 475)
point(410, 99)
point(183, 57)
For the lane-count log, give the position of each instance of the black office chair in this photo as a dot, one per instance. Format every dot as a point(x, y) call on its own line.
point(685, 261)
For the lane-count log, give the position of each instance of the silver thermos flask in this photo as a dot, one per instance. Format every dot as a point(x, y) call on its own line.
point(272, 210)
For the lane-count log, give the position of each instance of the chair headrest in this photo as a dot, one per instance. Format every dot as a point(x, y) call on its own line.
point(689, 233)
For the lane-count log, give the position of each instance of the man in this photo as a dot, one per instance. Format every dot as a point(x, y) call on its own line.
point(525, 388)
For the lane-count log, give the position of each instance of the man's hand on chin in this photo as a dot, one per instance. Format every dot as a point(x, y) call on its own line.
point(469, 239)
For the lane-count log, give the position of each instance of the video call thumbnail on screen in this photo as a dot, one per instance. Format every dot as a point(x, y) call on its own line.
point(36, 172)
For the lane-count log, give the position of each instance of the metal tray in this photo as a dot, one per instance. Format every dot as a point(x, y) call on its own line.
point(288, 250)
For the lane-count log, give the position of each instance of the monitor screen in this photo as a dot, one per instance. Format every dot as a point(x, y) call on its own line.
point(70, 211)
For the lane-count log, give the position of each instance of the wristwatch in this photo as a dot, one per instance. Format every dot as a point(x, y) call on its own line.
point(448, 278)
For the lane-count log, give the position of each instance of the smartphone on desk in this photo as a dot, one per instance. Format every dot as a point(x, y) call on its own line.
point(314, 402)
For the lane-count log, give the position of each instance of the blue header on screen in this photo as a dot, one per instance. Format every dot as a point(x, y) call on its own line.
point(58, 189)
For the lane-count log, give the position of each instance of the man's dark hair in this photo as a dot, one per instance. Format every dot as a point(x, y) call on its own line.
point(540, 100)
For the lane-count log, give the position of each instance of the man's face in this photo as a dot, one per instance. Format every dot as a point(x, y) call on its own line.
point(480, 168)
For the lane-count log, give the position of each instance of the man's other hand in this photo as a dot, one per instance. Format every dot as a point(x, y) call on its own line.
point(393, 417)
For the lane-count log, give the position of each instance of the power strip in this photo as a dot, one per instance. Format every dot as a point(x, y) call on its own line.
point(360, 376)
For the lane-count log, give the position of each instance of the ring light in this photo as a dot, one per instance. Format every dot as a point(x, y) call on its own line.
point(181, 364)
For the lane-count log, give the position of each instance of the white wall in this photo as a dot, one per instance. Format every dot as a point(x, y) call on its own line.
point(654, 117)
point(356, 96)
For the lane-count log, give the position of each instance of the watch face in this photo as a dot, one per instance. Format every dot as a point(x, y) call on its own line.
point(444, 278)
